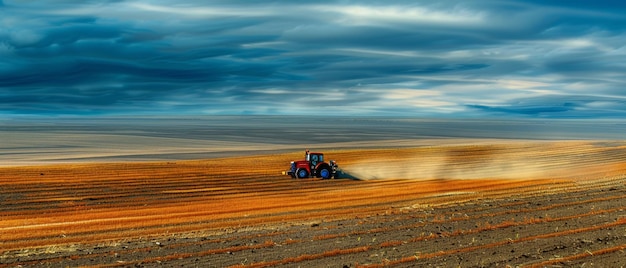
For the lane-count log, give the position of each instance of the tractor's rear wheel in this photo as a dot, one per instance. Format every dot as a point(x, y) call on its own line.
point(302, 173)
point(325, 173)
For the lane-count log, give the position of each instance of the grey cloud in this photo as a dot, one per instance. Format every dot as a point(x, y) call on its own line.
point(556, 106)
point(472, 57)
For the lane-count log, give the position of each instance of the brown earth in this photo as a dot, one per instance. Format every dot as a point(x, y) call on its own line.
point(484, 204)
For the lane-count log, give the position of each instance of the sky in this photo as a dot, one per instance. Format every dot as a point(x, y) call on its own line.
point(439, 58)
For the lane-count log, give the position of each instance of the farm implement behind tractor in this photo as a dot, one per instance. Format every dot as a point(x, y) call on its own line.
point(313, 166)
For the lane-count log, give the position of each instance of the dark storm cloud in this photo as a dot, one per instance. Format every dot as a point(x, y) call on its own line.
point(426, 58)
point(555, 106)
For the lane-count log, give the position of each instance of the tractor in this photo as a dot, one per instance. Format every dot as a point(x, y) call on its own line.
point(313, 165)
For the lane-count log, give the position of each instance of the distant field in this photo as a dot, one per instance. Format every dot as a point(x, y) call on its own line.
point(51, 140)
point(439, 202)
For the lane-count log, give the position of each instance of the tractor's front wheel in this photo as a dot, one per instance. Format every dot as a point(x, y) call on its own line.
point(302, 173)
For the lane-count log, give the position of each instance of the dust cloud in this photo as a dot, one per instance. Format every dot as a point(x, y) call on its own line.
point(495, 161)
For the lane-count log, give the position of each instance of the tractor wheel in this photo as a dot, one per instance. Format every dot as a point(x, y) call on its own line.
point(325, 173)
point(302, 173)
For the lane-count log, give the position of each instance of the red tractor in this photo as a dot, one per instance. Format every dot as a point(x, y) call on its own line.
point(313, 165)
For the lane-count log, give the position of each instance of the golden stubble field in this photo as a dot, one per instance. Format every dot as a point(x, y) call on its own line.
point(481, 204)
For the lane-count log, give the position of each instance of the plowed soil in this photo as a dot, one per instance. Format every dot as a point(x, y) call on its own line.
point(484, 204)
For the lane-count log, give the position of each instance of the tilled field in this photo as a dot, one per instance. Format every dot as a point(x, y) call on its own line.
point(488, 204)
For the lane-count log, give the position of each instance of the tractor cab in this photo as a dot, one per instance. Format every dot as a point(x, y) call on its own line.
point(314, 158)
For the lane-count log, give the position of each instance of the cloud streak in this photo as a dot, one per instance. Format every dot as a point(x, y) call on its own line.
point(430, 58)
